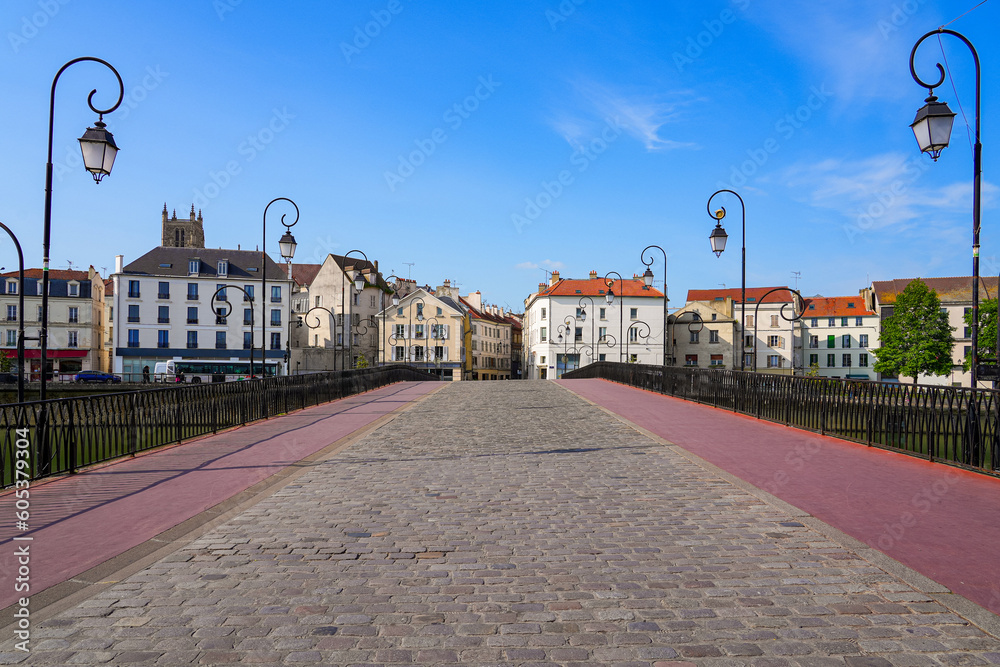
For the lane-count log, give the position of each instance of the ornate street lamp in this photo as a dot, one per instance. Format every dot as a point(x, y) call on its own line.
point(795, 317)
point(99, 151)
point(637, 326)
point(647, 279)
point(358, 282)
point(287, 246)
point(20, 310)
point(228, 311)
point(611, 299)
point(718, 240)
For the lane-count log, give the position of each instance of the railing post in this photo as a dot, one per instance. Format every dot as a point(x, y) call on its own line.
point(72, 439)
point(134, 420)
point(178, 417)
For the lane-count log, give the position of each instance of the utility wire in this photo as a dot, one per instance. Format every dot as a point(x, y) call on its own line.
point(951, 78)
point(968, 12)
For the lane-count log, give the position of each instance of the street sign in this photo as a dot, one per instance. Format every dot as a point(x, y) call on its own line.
point(988, 372)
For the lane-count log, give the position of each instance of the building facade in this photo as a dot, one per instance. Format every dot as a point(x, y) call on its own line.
point(430, 331)
point(569, 323)
point(76, 321)
point(491, 339)
point(704, 334)
point(838, 334)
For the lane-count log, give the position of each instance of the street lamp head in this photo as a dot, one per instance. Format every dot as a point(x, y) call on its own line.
point(99, 150)
point(611, 296)
point(932, 126)
point(359, 281)
point(395, 299)
point(718, 239)
point(647, 277)
point(287, 245)
point(583, 314)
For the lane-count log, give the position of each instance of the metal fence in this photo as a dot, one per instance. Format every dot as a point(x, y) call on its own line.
point(43, 438)
point(952, 424)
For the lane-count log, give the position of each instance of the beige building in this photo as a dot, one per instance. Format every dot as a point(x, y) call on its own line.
point(429, 330)
point(703, 333)
point(491, 339)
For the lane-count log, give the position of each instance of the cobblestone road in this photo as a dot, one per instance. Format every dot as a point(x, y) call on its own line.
point(511, 523)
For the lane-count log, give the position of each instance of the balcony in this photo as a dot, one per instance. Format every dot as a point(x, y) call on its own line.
point(192, 297)
point(133, 318)
point(192, 320)
point(133, 343)
point(163, 345)
point(192, 346)
point(247, 322)
point(163, 320)
point(220, 321)
point(133, 295)
point(247, 346)
point(220, 346)
point(275, 299)
point(163, 295)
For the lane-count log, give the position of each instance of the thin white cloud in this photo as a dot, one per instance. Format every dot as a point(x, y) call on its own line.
point(546, 264)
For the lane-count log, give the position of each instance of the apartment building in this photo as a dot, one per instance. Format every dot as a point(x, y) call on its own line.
point(492, 339)
point(429, 330)
point(838, 335)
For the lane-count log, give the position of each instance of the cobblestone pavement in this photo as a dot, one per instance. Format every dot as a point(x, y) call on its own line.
point(510, 523)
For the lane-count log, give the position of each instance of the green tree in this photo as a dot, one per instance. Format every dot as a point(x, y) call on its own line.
point(362, 361)
point(916, 338)
point(6, 364)
point(987, 332)
point(813, 370)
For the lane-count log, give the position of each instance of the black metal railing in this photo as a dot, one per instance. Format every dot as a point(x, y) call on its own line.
point(952, 424)
point(63, 435)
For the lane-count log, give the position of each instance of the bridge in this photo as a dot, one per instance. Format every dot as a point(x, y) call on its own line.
point(569, 522)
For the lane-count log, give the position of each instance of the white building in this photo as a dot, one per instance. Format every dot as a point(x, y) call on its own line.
point(838, 335)
point(569, 323)
point(164, 309)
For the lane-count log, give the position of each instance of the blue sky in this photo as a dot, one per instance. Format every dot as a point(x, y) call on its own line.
point(485, 142)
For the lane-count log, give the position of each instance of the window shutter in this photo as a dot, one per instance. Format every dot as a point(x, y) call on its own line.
point(446, 328)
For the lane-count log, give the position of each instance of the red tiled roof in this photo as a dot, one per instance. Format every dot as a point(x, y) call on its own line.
point(305, 274)
point(597, 287)
point(109, 287)
point(54, 274)
point(835, 306)
point(754, 295)
point(949, 290)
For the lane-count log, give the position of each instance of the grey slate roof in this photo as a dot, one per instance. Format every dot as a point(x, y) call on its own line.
point(153, 263)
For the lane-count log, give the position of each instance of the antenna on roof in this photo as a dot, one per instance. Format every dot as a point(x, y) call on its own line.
point(409, 271)
point(69, 264)
point(723, 285)
point(797, 274)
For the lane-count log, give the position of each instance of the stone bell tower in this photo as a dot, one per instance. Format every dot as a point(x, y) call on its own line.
point(183, 233)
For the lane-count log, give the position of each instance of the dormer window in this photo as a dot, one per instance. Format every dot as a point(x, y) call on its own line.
point(194, 266)
point(12, 287)
point(850, 304)
point(74, 289)
point(223, 267)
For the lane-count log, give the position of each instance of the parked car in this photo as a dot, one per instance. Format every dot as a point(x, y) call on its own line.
point(96, 376)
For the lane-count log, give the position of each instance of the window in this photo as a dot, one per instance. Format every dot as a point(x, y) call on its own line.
point(775, 341)
point(163, 290)
point(111, 313)
point(11, 336)
point(715, 316)
point(748, 341)
point(713, 336)
point(439, 311)
point(633, 334)
point(192, 340)
point(967, 332)
point(418, 331)
point(602, 333)
point(690, 359)
point(693, 336)
point(831, 341)
point(220, 315)
point(247, 317)
point(633, 313)
point(133, 338)
point(749, 320)
point(247, 340)
point(74, 315)
point(716, 360)
point(846, 361)
point(859, 321)
point(220, 293)
point(814, 360)
point(319, 300)
point(192, 291)
point(220, 340)
point(39, 314)
point(832, 322)
point(813, 342)
point(275, 293)
point(577, 335)
point(862, 340)
point(774, 320)
point(163, 338)
point(248, 293)
point(163, 314)
point(418, 353)
point(133, 312)
point(275, 318)
point(748, 360)
point(275, 341)
point(843, 321)
point(815, 322)
point(399, 312)
point(579, 313)
point(74, 289)
point(399, 331)
point(863, 360)
point(632, 358)
point(133, 289)
point(192, 315)
point(194, 266)
point(73, 340)
point(845, 341)
point(603, 313)
point(831, 361)
point(774, 360)
point(543, 313)
point(544, 334)
point(356, 296)
point(12, 287)
point(223, 267)
point(12, 313)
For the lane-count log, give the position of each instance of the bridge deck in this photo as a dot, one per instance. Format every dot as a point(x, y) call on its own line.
point(500, 523)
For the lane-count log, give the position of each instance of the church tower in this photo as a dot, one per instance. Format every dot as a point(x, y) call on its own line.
point(183, 233)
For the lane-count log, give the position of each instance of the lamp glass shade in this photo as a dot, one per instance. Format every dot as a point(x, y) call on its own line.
point(610, 297)
point(647, 277)
point(359, 281)
point(395, 299)
point(583, 314)
point(932, 127)
point(99, 151)
point(718, 239)
point(287, 245)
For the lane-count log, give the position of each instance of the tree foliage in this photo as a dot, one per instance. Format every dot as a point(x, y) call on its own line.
point(916, 338)
point(362, 361)
point(987, 332)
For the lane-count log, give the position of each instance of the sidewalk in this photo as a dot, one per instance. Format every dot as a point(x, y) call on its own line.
point(80, 521)
point(939, 520)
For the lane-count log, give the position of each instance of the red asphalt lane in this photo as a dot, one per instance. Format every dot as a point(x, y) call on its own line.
point(81, 521)
point(939, 520)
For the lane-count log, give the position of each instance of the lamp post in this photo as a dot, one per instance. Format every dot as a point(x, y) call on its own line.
point(358, 280)
point(395, 304)
point(718, 240)
point(569, 324)
point(287, 246)
point(20, 310)
point(220, 317)
point(593, 323)
point(647, 278)
point(611, 299)
point(795, 318)
point(932, 129)
point(610, 344)
point(637, 326)
point(99, 151)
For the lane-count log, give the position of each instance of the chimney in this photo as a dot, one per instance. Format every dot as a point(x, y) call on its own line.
point(541, 286)
point(119, 263)
point(555, 278)
point(593, 275)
